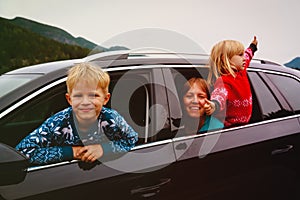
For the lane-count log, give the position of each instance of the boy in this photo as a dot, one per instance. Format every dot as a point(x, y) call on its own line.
point(85, 131)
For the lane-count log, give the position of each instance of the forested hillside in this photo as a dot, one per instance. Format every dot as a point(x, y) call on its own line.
point(20, 47)
point(52, 32)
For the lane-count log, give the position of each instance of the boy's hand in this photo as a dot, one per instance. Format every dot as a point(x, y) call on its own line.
point(76, 154)
point(209, 107)
point(89, 153)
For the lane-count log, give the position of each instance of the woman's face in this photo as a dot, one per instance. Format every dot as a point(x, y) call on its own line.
point(194, 101)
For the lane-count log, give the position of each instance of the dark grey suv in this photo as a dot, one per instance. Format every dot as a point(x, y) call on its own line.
point(259, 160)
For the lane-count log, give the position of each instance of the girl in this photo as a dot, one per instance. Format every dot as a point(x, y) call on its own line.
point(231, 96)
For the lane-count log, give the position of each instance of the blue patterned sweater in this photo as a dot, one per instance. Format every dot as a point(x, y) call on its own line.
point(52, 142)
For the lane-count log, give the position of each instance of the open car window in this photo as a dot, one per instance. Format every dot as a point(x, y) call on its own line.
point(181, 75)
point(135, 94)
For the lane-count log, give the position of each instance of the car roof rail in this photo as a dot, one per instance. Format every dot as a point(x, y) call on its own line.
point(106, 56)
point(126, 54)
point(266, 62)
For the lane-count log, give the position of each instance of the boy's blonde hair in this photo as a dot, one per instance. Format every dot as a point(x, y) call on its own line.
point(89, 73)
point(220, 56)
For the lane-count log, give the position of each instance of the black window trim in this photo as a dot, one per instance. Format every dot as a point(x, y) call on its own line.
point(276, 92)
point(31, 96)
point(275, 72)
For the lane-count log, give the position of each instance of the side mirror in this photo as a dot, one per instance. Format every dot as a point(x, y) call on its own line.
point(13, 165)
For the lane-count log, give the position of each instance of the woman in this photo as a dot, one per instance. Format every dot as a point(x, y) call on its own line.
point(195, 97)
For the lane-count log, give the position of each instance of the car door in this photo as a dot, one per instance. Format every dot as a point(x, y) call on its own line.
point(139, 95)
point(286, 150)
point(238, 163)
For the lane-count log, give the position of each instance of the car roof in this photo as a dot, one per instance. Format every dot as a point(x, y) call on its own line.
point(44, 68)
point(56, 70)
point(127, 58)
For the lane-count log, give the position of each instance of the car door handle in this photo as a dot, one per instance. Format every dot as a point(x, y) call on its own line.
point(282, 150)
point(152, 190)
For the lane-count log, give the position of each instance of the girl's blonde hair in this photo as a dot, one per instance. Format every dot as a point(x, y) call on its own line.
point(220, 56)
point(89, 73)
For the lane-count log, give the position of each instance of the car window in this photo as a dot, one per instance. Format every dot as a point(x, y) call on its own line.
point(9, 83)
point(267, 102)
point(290, 89)
point(20, 122)
point(138, 95)
point(130, 97)
point(180, 76)
point(139, 99)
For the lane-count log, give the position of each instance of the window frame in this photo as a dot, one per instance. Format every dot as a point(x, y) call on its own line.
point(285, 100)
point(144, 158)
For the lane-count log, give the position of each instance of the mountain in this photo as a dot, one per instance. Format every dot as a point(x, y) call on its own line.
point(52, 32)
point(21, 47)
point(295, 63)
point(60, 35)
point(25, 42)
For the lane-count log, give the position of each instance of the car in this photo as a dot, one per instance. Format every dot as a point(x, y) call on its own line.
point(259, 160)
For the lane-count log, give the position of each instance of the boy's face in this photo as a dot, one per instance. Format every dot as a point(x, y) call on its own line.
point(87, 101)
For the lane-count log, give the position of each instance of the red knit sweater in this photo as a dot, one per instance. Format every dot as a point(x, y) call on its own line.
point(233, 95)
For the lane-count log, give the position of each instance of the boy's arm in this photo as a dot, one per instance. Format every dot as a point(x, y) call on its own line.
point(121, 135)
point(37, 146)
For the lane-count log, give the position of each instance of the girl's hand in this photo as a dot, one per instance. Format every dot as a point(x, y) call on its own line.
point(254, 41)
point(209, 107)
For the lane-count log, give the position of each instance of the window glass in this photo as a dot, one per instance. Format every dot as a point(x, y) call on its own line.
point(140, 97)
point(17, 124)
point(290, 89)
point(267, 102)
point(130, 98)
point(9, 83)
point(181, 75)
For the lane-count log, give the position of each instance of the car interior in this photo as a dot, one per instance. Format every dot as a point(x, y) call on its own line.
point(181, 75)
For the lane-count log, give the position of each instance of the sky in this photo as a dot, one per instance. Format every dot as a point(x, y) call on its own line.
point(189, 23)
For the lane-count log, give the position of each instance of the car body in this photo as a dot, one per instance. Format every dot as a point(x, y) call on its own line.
point(255, 161)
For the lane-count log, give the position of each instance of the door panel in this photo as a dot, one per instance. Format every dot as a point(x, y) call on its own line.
point(134, 170)
point(240, 161)
point(142, 172)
